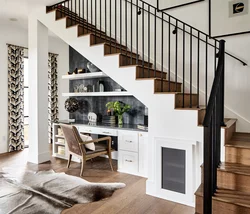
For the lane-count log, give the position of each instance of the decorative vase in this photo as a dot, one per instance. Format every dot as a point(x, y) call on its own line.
point(120, 120)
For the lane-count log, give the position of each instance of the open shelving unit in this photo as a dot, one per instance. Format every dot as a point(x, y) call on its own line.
point(62, 145)
point(94, 75)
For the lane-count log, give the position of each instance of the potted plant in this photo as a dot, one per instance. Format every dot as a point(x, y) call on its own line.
point(119, 108)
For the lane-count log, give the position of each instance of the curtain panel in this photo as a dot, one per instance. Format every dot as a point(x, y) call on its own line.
point(15, 98)
point(52, 94)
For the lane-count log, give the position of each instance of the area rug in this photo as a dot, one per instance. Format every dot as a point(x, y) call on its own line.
point(47, 192)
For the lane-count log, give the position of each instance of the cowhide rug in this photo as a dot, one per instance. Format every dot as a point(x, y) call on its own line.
point(47, 192)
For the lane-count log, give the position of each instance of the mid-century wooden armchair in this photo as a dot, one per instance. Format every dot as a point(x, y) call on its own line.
point(77, 148)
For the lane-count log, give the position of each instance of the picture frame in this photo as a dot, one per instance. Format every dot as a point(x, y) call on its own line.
point(171, 4)
point(228, 17)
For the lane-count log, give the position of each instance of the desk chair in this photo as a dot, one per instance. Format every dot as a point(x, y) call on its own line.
point(77, 148)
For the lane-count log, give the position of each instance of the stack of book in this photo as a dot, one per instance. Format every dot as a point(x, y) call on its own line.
point(142, 127)
point(109, 120)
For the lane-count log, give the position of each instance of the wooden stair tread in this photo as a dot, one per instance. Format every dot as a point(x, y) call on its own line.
point(228, 196)
point(229, 122)
point(177, 93)
point(238, 144)
point(195, 108)
point(235, 168)
point(240, 136)
point(239, 140)
point(164, 80)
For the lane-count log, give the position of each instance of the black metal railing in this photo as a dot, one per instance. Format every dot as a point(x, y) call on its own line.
point(214, 119)
point(155, 40)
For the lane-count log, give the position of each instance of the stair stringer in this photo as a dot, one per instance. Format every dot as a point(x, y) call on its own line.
point(165, 122)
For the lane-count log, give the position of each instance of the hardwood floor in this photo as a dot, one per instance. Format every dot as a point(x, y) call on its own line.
point(130, 200)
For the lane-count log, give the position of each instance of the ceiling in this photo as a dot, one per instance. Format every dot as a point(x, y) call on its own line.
point(20, 10)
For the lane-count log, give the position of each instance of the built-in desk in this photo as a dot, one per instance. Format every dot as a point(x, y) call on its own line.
point(132, 144)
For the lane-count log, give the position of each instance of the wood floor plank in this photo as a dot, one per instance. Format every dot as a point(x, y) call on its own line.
point(129, 200)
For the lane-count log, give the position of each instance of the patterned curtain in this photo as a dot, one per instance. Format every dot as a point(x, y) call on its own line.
point(15, 98)
point(53, 93)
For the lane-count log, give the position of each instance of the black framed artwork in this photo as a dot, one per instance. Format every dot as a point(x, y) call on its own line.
point(228, 17)
point(171, 4)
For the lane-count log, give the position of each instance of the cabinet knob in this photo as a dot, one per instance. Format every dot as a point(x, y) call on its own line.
point(130, 161)
point(140, 135)
point(129, 141)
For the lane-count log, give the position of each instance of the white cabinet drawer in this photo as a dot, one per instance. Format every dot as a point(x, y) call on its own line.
point(128, 162)
point(128, 141)
point(95, 130)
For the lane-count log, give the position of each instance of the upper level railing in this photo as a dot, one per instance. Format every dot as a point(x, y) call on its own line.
point(187, 54)
point(213, 121)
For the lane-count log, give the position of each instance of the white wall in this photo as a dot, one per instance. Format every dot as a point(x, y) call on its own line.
point(18, 36)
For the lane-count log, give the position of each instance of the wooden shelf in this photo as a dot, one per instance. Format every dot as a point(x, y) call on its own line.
point(96, 94)
point(84, 76)
point(59, 144)
point(59, 136)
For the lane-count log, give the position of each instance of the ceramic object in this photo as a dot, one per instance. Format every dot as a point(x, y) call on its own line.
point(92, 117)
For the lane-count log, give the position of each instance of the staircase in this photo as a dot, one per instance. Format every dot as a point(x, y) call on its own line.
point(233, 181)
point(169, 92)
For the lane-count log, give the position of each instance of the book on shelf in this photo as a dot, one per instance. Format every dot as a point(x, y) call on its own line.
point(142, 127)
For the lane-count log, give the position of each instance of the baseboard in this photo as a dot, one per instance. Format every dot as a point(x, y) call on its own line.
point(41, 158)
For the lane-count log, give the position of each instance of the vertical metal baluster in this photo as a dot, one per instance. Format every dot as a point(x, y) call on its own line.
point(115, 25)
point(75, 12)
point(83, 15)
point(105, 20)
point(162, 49)
point(169, 51)
point(126, 29)
point(131, 35)
point(121, 26)
point(148, 39)
point(110, 24)
point(198, 70)
point(137, 44)
point(87, 24)
point(71, 15)
point(215, 53)
point(176, 55)
point(79, 7)
point(206, 70)
point(191, 66)
point(95, 19)
point(143, 38)
point(91, 14)
point(155, 44)
point(100, 18)
point(183, 81)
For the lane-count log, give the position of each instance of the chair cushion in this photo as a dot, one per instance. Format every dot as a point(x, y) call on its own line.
point(90, 146)
point(98, 148)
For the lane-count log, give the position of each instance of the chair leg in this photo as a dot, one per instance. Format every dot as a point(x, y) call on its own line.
point(83, 162)
point(110, 161)
point(69, 160)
